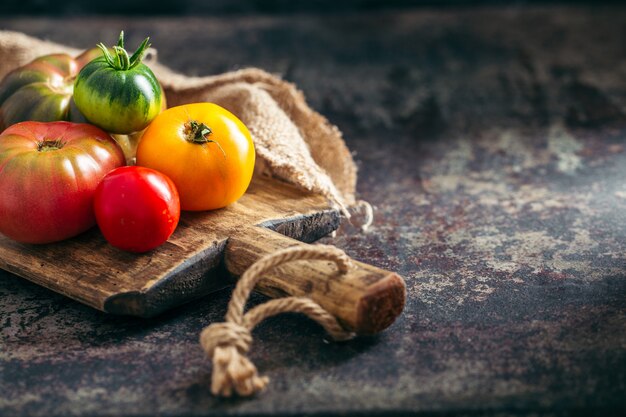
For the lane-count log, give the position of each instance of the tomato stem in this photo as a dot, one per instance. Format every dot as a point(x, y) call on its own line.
point(120, 60)
point(49, 145)
point(123, 60)
point(199, 133)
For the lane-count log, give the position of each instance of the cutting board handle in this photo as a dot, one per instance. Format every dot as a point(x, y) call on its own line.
point(365, 300)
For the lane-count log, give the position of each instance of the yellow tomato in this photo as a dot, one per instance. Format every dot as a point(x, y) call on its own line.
point(206, 151)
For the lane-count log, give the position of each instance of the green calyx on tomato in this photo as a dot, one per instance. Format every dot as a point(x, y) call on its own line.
point(199, 133)
point(122, 62)
point(117, 92)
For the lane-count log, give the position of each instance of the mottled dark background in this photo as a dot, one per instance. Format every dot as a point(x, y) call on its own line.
point(491, 139)
point(225, 7)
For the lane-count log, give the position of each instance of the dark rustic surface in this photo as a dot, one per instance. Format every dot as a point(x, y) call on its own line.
point(492, 143)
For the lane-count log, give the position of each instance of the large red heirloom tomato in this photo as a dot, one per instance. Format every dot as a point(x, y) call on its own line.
point(48, 176)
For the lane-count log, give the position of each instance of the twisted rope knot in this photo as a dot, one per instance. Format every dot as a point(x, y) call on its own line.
point(227, 344)
point(224, 335)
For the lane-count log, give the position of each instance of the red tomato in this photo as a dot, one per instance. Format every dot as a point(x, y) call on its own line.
point(137, 208)
point(48, 175)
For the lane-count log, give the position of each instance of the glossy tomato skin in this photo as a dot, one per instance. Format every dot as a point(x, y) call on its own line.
point(208, 175)
point(119, 101)
point(137, 208)
point(42, 89)
point(49, 175)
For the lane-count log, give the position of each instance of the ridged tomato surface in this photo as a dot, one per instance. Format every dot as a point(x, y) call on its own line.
point(48, 176)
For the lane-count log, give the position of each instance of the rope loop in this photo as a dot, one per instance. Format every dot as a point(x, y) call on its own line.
point(228, 343)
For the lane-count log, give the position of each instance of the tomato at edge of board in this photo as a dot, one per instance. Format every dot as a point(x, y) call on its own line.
point(137, 208)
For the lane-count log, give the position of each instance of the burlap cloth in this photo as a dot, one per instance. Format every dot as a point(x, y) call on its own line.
point(293, 142)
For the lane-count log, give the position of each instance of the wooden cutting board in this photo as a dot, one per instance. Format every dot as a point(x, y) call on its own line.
point(205, 253)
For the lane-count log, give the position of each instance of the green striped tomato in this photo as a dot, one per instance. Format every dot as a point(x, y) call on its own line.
point(42, 89)
point(117, 92)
